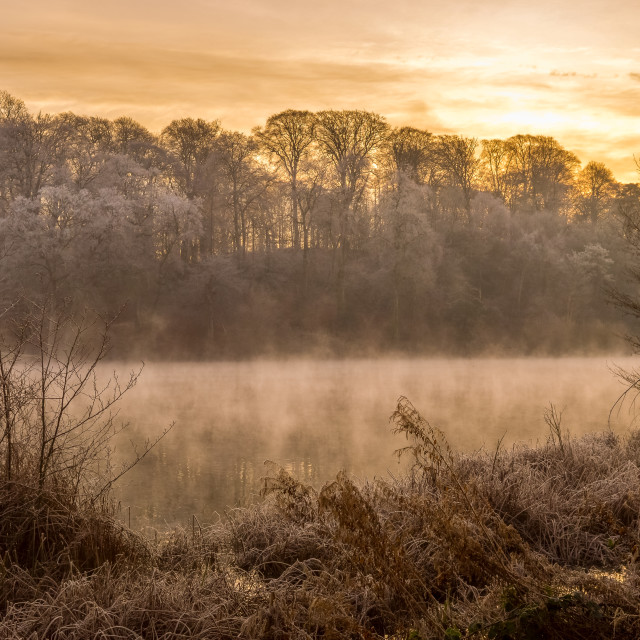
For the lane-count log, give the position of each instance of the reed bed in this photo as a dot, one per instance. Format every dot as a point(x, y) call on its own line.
point(530, 542)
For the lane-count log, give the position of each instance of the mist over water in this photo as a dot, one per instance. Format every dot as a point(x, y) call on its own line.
point(315, 417)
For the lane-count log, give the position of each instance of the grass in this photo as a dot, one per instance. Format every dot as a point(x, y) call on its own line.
point(530, 542)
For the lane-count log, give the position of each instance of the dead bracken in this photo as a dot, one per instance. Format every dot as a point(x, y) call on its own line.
point(529, 542)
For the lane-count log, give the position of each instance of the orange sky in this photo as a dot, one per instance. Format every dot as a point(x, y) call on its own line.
point(488, 69)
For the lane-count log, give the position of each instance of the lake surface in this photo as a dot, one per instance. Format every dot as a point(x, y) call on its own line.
point(317, 417)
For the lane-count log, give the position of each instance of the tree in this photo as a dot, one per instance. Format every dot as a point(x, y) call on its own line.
point(244, 183)
point(627, 210)
point(595, 188)
point(31, 148)
point(88, 146)
point(496, 160)
point(627, 299)
point(311, 190)
point(130, 137)
point(12, 109)
point(349, 139)
point(190, 143)
point(56, 409)
point(553, 174)
point(176, 227)
point(287, 137)
point(590, 274)
point(408, 249)
point(459, 163)
point(538, 172)
point(412, 152)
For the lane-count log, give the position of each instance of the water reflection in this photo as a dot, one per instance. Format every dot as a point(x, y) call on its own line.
point(317, 417)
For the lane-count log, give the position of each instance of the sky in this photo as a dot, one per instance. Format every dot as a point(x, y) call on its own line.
point(491, 69)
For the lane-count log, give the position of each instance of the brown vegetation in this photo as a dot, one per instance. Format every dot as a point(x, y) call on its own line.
point(530, 542)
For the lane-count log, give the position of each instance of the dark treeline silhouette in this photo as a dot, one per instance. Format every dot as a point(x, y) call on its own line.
point(328, 232)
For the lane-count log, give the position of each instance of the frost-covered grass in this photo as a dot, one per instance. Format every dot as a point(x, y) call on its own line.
point(530, 542)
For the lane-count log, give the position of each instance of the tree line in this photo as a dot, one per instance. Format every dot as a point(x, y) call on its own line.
point(329, 231)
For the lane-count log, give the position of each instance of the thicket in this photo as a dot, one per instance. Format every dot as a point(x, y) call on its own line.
point(329, 232)
point(57, 423)
point(531, 542)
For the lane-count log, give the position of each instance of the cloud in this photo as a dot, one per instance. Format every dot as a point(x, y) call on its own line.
point(572, 74)
point(99, 75)
point(474, 78)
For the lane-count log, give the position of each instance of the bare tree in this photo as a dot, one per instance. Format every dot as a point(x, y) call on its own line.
point(30, 148)
point(459, 163)
point(244, 183)
point(88, 146)
point(57, 409)
point(595, 187)
point(496, 159)
point(349, 139)
point(190, 143)
point(412, 152)
point(287, 137)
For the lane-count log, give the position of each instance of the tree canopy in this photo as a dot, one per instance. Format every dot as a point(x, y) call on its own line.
point(329, 230)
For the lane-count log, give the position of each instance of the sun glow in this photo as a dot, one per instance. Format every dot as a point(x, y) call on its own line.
point(529, 119)
point(455, 68)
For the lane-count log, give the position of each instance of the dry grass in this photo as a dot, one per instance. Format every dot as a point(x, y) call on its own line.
point(48, 534)
point(492, 545)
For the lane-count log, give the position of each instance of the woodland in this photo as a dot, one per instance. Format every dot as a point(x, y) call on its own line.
point(329, 233)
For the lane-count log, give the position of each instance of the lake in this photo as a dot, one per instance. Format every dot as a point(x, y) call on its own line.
point(315, 417)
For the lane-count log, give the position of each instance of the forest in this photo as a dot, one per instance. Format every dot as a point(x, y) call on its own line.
point(325, 233)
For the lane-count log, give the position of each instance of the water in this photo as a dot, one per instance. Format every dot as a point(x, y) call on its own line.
point(317, 417)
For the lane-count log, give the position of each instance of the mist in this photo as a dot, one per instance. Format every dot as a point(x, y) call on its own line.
point(285, 288)
point(316, 417)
